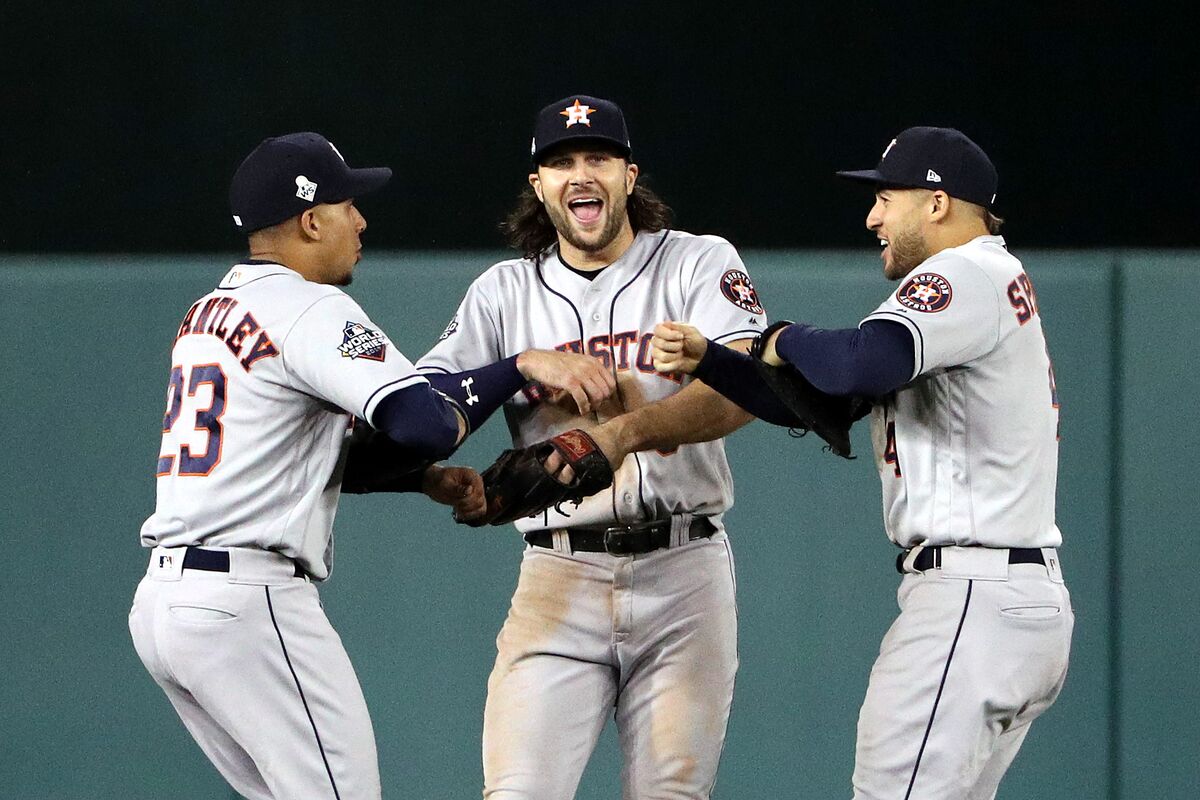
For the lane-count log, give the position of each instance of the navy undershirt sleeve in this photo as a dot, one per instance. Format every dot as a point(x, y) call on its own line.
point(733, 374)
point(479, 392)
point(420, 420)
point(870, 361)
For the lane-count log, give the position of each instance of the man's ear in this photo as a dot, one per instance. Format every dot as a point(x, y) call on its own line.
point(631, 176)
point(310, 225)
point(939, 206)
point(536, 183)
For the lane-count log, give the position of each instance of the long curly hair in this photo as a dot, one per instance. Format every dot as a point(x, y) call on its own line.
point(528, 227)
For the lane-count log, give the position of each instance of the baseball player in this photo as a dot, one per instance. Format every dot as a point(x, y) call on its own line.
point(965, 438)
point(269, 371)
point(625, 603)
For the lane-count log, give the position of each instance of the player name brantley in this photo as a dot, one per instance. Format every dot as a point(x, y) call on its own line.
point(212, 317)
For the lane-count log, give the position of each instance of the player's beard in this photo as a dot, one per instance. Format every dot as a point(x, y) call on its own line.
point(611, 230)
point(908, 251)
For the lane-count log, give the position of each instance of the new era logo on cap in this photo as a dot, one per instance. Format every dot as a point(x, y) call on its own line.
point(934, 158)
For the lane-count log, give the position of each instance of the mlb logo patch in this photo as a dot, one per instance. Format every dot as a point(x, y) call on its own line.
point(359, 341)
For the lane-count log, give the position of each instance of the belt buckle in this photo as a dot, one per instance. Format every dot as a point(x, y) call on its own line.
point(612, 539)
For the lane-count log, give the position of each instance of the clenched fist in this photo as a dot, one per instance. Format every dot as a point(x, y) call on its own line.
point(677, 347)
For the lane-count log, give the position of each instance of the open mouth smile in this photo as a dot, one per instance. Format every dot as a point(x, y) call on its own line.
point(586, 210)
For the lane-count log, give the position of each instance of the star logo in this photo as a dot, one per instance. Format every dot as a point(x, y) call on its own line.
point(578, 113)
point(924, 293)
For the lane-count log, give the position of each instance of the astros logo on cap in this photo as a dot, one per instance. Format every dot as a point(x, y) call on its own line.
point(578, 113)
point(927, 292)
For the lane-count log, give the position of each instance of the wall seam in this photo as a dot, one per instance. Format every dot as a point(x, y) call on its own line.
point(1116, 500)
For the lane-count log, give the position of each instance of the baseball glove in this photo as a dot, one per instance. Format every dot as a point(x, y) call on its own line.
point(828, 416)
point(519, 485)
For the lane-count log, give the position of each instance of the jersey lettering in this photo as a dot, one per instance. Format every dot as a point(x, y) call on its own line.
point(1023, 298)
point(604, 348)
point(174, 409)
point(207, 419)
point(210, 318)
point(263, 348)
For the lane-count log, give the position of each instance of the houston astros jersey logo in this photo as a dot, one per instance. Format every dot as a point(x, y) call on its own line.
point(359, 341)
point(578, 113)
point(738, 289)
point(926, 292)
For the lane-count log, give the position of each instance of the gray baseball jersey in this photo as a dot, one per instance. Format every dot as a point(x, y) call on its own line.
point(967, 453)
point(518, 305)
point(653, 634)
point(267, 372)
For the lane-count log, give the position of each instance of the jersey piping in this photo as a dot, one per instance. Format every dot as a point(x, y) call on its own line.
point(612, 313)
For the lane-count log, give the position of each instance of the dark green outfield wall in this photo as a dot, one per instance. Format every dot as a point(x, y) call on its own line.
point(418, 600)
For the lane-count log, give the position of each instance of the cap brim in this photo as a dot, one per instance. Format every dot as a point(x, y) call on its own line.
point(616, 144)
point(862, 175)
point(362, 181)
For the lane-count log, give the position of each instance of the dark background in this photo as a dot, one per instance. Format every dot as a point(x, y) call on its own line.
point(123, 122)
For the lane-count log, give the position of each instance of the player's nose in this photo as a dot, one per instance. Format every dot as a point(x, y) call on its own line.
point(874, 217)
point(360, 222)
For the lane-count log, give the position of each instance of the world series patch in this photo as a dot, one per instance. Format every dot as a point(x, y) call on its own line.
point(738, 289)
point(927, 292)
point(359, 341)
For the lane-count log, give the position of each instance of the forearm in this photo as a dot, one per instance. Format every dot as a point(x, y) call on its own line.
point(694, 414)
point(422, 423)
point(734, 375)
point(376, 463)
point(477, 393)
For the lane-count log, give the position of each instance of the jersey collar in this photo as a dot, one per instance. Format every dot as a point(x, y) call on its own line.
point(251, 270)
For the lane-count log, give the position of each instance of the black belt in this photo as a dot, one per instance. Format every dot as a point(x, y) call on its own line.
point(931, 558)
point(214, 561)
point(623, 540)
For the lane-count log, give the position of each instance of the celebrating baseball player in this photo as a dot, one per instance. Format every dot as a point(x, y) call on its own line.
point(964, 426)
point(269, 371)
point(625, 599)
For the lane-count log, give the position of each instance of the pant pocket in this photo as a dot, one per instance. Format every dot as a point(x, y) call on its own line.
point(185, 613)
point(1032, 611)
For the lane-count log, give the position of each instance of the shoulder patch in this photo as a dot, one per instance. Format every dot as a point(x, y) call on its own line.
point(359, 341)
point(450, 329)
point(926, 292)
point(738, 289)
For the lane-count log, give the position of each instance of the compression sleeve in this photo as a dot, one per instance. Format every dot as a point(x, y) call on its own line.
point(871, 360)
point(479, 392)
point(420, 420)
point(733, 374)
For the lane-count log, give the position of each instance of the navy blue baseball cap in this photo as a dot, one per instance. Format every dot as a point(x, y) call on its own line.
point(285, 175)
point(935, 158)
point(579, 117)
